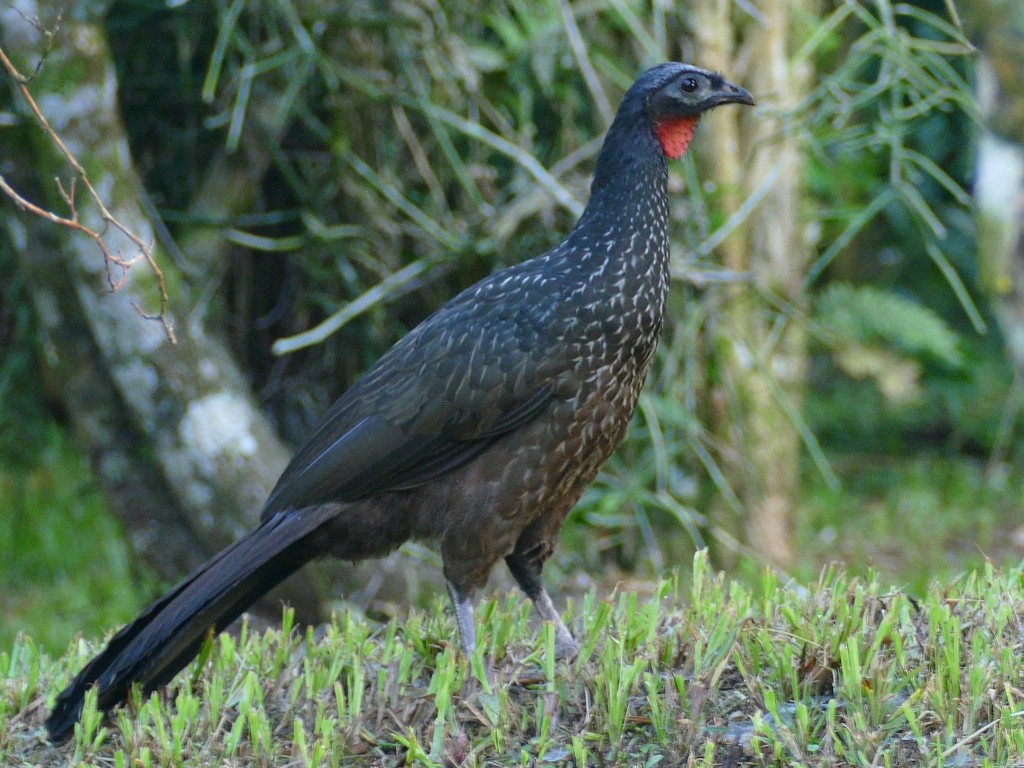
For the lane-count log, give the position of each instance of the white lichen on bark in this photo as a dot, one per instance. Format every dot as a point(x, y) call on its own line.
point(999, 189)
point(218, 427)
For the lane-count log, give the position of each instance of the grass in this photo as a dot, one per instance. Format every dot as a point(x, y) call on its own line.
point(847, 672)
point(841, 671)
point(64, 564)
point(914, 519)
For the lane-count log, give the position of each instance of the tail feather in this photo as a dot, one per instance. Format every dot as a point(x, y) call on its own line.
point(168, 633)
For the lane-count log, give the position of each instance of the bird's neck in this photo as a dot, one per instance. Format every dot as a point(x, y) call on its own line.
point(626, 219)
point(631, 155)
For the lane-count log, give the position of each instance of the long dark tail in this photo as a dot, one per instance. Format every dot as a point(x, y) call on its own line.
point(168, 634)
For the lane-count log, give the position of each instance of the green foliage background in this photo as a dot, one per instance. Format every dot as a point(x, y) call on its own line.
point(411, 142)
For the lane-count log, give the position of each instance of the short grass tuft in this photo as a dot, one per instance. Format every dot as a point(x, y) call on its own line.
point(845, 671)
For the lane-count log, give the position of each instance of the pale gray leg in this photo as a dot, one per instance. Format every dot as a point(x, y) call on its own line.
point(566, 646)
point(463, 603)
point(527, 573)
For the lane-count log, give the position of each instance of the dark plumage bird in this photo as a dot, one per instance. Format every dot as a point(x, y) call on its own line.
point(480, 429)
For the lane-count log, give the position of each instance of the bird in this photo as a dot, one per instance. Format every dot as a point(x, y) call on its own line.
point(478, 430)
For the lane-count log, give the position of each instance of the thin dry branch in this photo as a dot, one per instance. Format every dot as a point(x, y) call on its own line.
point(110, 259)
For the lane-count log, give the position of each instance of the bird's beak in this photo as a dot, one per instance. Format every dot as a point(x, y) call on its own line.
point(732, 94)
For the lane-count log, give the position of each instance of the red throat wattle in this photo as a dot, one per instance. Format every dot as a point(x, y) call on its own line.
point(675, 134)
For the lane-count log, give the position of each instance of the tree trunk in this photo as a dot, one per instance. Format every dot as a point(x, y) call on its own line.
point(71, 363)
point(761, 358)
point(999, 181)
point(188, 404)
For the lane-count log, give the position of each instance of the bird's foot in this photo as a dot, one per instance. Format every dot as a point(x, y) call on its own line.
point(567, 648)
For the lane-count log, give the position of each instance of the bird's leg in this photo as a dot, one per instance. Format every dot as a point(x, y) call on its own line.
point(463, 602)
point(527, 572)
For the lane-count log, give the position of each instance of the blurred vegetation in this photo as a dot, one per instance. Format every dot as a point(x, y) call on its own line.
point(701, 673)
point(413, 163)
point(64, 566)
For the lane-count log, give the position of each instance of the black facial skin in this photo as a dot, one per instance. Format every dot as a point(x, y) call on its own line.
point(692, 92)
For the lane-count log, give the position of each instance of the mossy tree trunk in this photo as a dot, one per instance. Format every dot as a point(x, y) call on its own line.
point(999, 182)
point(759, 351)
point(201, 457)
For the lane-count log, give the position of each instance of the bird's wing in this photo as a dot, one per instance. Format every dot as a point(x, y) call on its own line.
point(480, 367)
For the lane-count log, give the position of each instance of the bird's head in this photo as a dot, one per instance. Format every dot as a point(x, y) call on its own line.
point(673, 96)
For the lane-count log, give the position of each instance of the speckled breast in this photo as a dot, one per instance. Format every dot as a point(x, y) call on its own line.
point(611, 345)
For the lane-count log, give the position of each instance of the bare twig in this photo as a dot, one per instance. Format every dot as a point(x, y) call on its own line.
point(48, 34)
point(110, 259)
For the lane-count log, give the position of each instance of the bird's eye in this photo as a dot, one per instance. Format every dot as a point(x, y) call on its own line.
point(690, 84)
